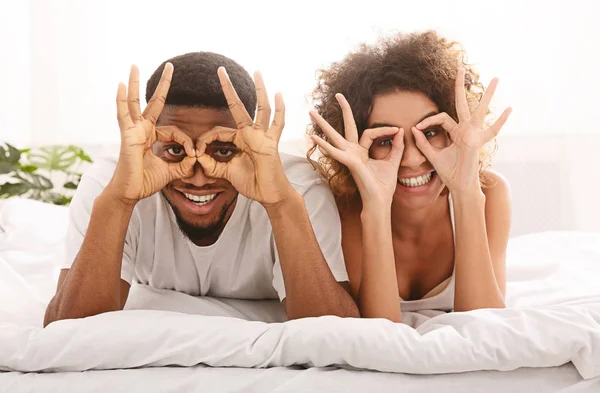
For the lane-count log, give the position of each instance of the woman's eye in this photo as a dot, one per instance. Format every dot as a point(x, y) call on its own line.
point(176, 151)
point(224, 153)
point(430, 133)
point(385, 142)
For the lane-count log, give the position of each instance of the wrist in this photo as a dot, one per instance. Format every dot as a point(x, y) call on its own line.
point(289, 199)
point(113, 199)
point(376, 210)
point(468, 198)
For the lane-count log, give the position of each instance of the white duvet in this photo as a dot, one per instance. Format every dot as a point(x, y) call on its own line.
point(554, 318)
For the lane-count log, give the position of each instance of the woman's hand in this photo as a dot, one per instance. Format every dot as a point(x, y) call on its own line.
point(376, 179)
point(458, 164)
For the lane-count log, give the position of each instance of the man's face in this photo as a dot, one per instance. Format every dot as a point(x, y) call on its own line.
point(201, 204)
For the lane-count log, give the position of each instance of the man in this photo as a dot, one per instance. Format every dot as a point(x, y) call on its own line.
point(201, 202)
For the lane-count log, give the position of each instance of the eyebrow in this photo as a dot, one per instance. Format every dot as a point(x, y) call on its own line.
point(218, 144)
point(377, 125)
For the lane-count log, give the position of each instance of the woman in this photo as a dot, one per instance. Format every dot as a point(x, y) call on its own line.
point(425, 223)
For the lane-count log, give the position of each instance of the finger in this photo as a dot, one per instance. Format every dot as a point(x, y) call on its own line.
point(218, 133)
point(157, 102)
point(182, 169)
point(263, 113)
point(174, 134)
point(424, 146)
point(278, 123)
point(350, 130)
point(460, 96)
point(395, 155)
point(493, 131)
point(331, 151)
point(133, 94)
point(367, 138)
point(236, 106)
point(336, 139)
point(213, 168)
point(123, 116)
point(484, 103)
point(441, 119)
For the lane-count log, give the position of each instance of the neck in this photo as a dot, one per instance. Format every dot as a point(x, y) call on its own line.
point(413, 224)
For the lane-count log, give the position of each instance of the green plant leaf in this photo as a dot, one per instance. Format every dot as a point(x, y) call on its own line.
point(70, 185)
point(14, 154)
point(80, 153)
point(62, 200)
point(28, 168)
point(52, 158)
point(7, 167)
point(8, 190)
point(9, 159)
point(34, 181)
point(23, 151)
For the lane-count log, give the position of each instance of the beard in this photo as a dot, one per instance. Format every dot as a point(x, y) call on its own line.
point(199, 232)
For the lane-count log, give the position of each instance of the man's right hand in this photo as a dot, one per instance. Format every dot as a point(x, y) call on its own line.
point(139, 173)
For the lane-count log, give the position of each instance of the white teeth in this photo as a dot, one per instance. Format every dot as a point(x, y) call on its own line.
point(416, 181)
point(200, 199)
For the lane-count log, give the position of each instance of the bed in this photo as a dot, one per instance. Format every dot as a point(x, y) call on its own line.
point(548, 340)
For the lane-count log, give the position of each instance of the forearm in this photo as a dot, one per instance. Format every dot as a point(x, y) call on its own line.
point(92, 285)
point(476, 284)
point(378, 291)
point(311, 288)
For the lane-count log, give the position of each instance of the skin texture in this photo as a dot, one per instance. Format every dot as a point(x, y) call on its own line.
point(199, 151)
point(400, 244)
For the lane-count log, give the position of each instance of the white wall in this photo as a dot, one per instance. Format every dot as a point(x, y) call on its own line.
point(66, 57)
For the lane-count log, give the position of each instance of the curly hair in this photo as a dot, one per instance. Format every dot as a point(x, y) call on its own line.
point(420, 62)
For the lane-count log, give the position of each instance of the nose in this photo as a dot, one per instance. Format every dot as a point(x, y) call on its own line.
point(412, 158)
point(198, 178)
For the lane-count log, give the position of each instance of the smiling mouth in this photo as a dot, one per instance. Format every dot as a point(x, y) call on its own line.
point(417, 181)
point(200, 200)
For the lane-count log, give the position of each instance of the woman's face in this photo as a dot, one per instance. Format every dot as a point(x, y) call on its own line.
point(418, 185)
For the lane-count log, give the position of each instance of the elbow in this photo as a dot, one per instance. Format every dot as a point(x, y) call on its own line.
point(58, 310)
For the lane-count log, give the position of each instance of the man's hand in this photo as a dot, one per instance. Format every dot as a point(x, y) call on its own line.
point(139, 172)
point(256, 170)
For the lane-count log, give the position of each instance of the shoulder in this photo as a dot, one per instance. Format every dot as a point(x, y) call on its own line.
point(497, 199)
point(102, 170)
point(301, 174)
point(495, 187)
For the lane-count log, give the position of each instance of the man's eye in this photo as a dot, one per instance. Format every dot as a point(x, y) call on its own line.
point(385, 142)
point(224, 153)
point(430, 133)
point(176, 151)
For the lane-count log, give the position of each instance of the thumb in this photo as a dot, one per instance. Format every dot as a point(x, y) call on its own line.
point(423, 144)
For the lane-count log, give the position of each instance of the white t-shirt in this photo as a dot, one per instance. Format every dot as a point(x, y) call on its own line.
point(243, 263)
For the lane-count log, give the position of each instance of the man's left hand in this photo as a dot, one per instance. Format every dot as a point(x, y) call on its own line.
point(254, 167)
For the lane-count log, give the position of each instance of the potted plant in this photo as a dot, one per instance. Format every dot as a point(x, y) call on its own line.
point(35, 173)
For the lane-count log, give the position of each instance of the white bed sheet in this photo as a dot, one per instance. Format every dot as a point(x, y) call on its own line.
point(546, 270)
point(563, 379)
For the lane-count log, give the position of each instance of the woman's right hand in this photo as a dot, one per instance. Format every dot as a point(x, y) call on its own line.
point(139, 172)
point(376, 179)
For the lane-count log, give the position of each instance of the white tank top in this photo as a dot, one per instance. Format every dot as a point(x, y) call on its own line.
point(442, 296)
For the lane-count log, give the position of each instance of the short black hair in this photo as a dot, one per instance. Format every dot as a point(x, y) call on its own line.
point(195, 82)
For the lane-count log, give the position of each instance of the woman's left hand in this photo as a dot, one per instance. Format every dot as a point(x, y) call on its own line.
point(458, 164)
